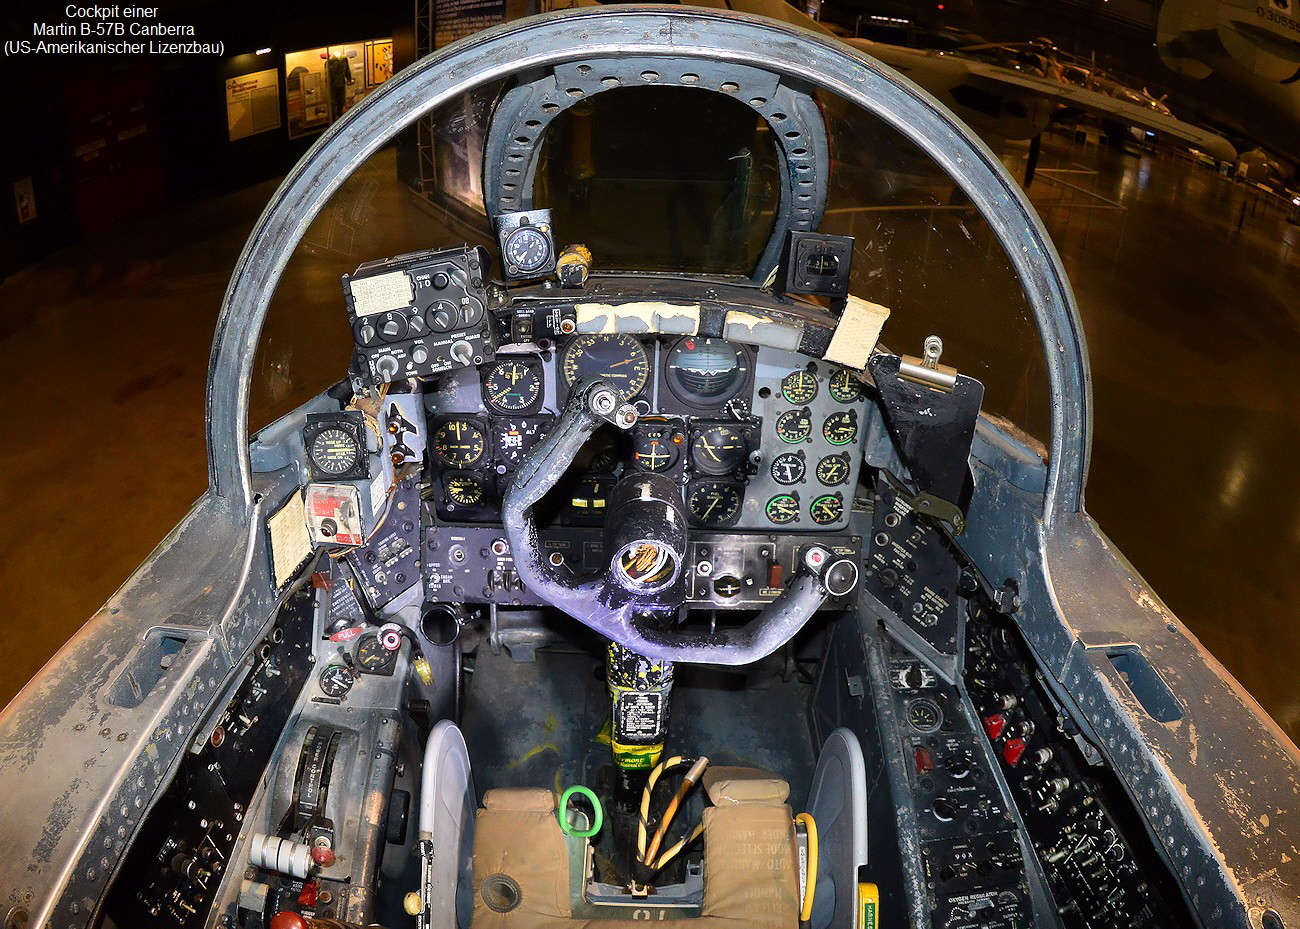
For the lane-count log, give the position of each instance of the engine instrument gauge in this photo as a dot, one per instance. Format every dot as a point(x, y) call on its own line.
point(336, 680)
point(782, 509)
point(789, 468)
point(705, 372)
point(373, 658)
point(515, 438)
point(465, 489)
point(841, 428)
point(620, 360)
point(844, 387)
point(656, 448)
point(718, 450)
point(714, 503)
point(794, 425)
point(826, 509)
point(833, 469)
point(512, 386)
point(799, 387)
point(459, 443)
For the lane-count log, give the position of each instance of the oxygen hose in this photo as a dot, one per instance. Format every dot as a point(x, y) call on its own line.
point(647, 855)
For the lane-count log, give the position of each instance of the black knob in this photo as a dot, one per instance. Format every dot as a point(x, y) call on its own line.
point(944, 810)
point(440, 281)
point(958, 765)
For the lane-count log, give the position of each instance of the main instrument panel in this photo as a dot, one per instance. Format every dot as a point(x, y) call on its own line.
point(757, 438)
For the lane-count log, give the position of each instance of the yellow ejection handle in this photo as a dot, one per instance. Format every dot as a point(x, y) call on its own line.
point(810, 886)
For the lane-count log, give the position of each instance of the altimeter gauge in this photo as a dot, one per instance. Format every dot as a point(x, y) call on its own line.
point(513, 385)
point(459, 443)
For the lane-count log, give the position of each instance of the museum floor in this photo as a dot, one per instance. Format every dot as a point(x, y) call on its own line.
point(1190, 297)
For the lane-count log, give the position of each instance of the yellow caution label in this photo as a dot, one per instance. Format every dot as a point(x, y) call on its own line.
point(637, 757)
point(868, 905)
point(423, 671)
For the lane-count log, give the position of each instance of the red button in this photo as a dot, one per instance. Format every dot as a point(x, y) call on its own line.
point(308, 896)
point(322, 855)
point(994, 725)
point(924, 761)
point(1013, 750)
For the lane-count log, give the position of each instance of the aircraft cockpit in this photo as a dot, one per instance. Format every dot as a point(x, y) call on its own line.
point(651, 524)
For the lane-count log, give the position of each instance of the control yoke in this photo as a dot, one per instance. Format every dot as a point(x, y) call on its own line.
point(646, 538)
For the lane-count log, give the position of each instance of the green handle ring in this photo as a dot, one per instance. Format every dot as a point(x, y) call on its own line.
point(597, 821)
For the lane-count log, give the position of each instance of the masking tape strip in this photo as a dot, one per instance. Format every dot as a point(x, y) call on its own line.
point(856, 336)
point(637, 317)
point(741, 326)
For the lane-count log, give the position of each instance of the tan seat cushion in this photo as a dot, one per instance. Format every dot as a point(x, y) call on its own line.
point(516, 834)
point(743, 785)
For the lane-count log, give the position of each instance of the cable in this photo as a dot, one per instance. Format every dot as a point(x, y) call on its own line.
point(688, 782)
point(647, 856)
point(810, 887)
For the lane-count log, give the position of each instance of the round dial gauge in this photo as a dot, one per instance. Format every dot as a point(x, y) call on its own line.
point(714, 503)
point(465, 490)
point(789, 468)
point(718, 450)
point(799, 387)
point(618, 359)
point(516, 437)
point(372, 656)
point(656, 448)
point(336, 680)
point(459, 443)
point(841, 428)
point(782, 509)
point(833, 469)
point(924, 715)
point(705, 372)
point(794, 425)
point(528, 249)
point(334, 451)
point(828, 508)
point(512, 387)
point(845, 387)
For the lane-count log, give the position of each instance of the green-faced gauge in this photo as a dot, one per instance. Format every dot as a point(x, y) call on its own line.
point(714, 503)
point(782, 509)
point(619, 360)
point(841, 428)
point(512, 386)
point(844, 387)
point(827, 509)
point(459, 443)
point(799, 387)
point(833, 469)
point(794, 425)
point(718, 450)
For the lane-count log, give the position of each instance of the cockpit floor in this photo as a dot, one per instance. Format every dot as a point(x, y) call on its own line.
point(544, 723)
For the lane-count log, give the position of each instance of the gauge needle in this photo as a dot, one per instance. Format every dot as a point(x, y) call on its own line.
point(717, 498)
point(625, 361)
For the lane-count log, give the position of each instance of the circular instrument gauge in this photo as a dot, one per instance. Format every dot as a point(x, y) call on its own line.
point(705, 372)
point(841, 428)
point(718, 450)
point(782, 509)
point(465, 489)
point(372, 656)
point(794, 425)
point(512, 386)
point(515, 438)
point(845, 387)
point(619, 360)
point(826, 509)
point(833, 469)
point(334, 451)
point(789, 468)
point(336, 680)
point(924, 715)
point(656, 448)
point(527, 249)
point(799, 387)
point(459, 443)
point(714, 503)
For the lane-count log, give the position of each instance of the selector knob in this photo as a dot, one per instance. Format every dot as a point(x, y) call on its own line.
point(462, 352)
point(386, 367)
point(944, 810)
point(958, 766)
point(441, 317)
point(419, 354)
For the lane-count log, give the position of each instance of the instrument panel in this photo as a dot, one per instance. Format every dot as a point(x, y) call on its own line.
point(757, 438)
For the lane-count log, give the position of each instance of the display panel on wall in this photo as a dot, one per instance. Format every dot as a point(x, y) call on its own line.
point(253, 103)
point(321, 84)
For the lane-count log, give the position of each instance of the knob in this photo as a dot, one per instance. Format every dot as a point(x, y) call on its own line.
point(419, 354)
point(462, 352)
point(726, 585)
point(367, 334)
point(913, 678)
point(386, 367)
point(958, 765)
point(944, 810)
point(442, 318)
point(440, 281)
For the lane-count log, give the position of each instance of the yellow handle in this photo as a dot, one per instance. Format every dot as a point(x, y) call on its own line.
point(810, 888)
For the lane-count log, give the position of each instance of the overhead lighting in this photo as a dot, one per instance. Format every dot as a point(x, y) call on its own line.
point(263, 51)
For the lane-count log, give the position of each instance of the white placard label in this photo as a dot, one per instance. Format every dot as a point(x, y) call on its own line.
point(381, 293)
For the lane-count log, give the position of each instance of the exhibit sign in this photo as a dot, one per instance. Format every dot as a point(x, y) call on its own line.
point(253, 103)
